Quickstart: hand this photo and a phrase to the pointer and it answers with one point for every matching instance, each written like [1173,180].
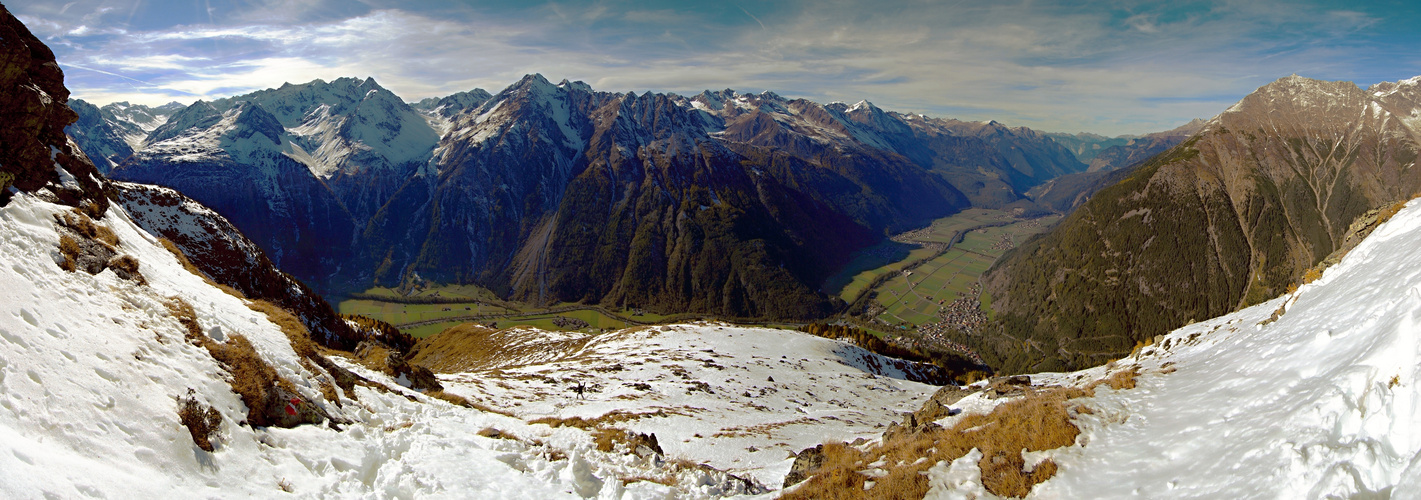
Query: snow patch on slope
[740,399]
[1321,402]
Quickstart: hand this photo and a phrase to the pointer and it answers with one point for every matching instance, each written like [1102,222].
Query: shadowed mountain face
[1069,191]
[1086,145]
[1227,219]
[631,200]
[234,162]
[726,203]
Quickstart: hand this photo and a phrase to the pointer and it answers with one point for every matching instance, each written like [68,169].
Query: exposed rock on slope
[1224,220]
[36,153]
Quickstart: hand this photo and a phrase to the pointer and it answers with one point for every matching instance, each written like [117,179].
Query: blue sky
[1110,67]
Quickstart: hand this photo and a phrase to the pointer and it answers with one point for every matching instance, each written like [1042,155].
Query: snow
[960,480]
[1322,402]
[739,399]
[91,369]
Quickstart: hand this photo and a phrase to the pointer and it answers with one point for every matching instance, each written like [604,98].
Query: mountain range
[127,368]
[721,202]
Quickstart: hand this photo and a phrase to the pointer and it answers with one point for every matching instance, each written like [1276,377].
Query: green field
[892,256]
[914,297]
[544,321]
[397,313]
[481,302]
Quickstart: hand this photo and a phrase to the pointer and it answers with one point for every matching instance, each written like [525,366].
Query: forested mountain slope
[1227,219]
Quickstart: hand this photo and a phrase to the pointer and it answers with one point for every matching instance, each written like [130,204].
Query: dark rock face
[1224,220]
[33,108]
[418,376]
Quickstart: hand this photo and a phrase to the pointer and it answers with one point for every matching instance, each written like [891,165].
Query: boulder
[806,463]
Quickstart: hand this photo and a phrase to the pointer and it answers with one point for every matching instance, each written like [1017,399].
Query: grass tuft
[1037,421]
[69,249]
[202,421]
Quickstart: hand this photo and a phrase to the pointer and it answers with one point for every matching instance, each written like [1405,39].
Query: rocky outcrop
[36,154]
[806,463]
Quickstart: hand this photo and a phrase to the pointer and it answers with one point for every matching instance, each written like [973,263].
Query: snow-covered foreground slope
[1321,402]
[92,368]
[740,399]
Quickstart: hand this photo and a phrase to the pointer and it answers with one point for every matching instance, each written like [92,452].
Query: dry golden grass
[126,266]
[91,209]
[290,325]
[1123,379]
[125,263]
[202,421]
[1388,211]
[229,290]
[252,378]
[182,311]
[1041,420]
[472,347]
[328,391]
[971,377]
[69,249]
[453,399]
[80,223]
[766,429]
[664,480]
[592,423]
[607,439]
[182,258]
[490,432]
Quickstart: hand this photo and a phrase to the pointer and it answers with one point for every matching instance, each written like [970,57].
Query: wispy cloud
[1126,67]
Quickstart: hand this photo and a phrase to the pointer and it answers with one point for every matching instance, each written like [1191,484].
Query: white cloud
[1126,68]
